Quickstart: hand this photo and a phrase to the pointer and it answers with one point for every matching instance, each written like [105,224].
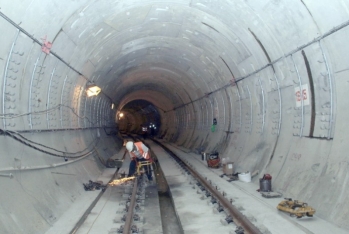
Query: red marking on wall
[46,46]
[298,95]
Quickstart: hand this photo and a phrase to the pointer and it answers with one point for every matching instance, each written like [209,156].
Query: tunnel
[263,83]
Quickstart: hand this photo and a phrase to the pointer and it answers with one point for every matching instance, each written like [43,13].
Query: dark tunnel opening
[140,117]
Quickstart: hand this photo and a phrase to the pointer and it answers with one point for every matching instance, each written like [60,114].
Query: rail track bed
[188,197]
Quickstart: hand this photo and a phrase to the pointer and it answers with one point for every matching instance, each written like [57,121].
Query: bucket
[264,185]
[245,177]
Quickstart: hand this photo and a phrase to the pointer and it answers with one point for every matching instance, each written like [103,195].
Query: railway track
[218,200]
[183,200]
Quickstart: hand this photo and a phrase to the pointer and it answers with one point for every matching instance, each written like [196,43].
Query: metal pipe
[31,168]
[7,175]
[5,79]
[48,97]
[331,93]
[61,112]
[299,48]
[280,103]
[301,95]
[30,92]
[54,130]
[251,108]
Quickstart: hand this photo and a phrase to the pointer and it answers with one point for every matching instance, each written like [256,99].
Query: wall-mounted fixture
[92,90]
[112,106]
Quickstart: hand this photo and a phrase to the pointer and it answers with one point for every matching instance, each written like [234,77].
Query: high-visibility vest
[145,155]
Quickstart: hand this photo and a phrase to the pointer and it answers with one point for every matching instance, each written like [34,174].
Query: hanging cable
[12,115]
[7,133]
[26,139]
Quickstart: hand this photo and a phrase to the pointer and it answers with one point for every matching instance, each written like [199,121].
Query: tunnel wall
[271,129]
[43,100]
[42,187]
[269,52]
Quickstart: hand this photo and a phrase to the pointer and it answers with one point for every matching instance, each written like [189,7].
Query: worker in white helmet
[138,152]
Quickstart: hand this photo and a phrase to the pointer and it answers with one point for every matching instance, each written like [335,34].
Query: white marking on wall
[98,32]
[82,33]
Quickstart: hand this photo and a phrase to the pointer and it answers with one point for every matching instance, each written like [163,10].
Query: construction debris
[271,194]
[91,186]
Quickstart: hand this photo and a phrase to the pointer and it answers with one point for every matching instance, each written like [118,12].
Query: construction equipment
[296,208]
[140,164]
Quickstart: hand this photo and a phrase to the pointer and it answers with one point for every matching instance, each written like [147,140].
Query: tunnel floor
[245,197]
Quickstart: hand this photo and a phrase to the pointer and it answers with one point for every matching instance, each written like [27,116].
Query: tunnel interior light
[92,90]
[112,106]
[121,115]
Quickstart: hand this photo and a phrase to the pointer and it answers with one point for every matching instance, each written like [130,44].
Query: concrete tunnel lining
[240,62]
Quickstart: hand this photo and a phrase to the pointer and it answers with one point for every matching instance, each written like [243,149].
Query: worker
[138,152]
[144,131]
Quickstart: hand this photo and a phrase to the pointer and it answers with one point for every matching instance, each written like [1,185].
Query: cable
[12,115]
[13,132]
[2,132]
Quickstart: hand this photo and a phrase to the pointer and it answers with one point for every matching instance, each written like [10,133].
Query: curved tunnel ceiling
[174,48]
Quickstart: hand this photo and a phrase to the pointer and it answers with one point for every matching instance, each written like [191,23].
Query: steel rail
[129,217]
[89,209]
[239,218]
